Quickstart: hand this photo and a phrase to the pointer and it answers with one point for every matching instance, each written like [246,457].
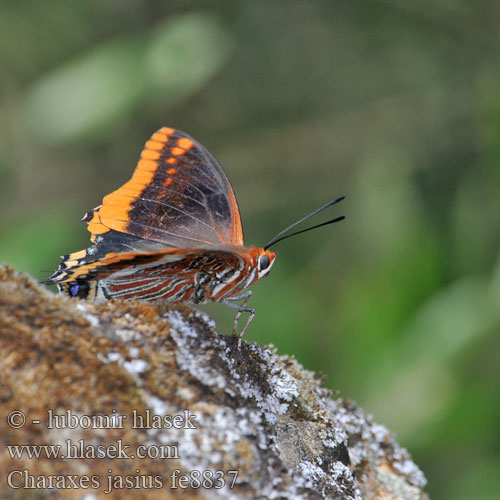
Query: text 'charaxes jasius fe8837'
[172,232]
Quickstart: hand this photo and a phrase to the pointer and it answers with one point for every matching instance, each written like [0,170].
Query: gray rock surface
[247,410]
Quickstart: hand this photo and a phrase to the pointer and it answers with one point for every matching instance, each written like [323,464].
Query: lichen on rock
[246,410]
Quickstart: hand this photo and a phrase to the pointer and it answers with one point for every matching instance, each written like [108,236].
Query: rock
[141,398]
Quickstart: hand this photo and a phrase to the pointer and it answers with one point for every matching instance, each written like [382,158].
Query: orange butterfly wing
[178,196]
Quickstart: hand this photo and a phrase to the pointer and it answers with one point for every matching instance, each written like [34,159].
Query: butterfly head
[264,260]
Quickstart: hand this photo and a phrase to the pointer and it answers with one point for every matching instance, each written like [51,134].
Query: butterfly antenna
[280,237]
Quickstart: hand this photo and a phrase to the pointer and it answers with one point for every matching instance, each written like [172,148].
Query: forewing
[178,195]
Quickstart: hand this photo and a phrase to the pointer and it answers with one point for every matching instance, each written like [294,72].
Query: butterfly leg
[241,308]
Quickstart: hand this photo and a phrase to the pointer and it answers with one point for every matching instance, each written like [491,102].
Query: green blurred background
[394,103]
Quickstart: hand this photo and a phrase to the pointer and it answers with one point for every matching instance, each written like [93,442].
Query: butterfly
[172,232]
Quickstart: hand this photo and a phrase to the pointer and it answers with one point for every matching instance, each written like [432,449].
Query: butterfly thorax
[218,278]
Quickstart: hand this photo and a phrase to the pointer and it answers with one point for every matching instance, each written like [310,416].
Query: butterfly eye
[264,262]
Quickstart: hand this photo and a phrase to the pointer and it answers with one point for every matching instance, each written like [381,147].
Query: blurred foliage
[395,103]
